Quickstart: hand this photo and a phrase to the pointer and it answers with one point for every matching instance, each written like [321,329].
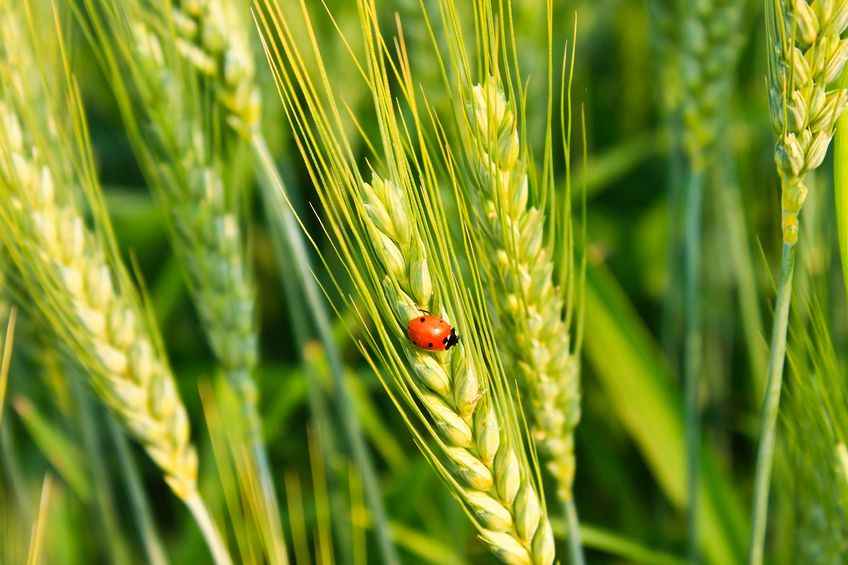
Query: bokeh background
[630,485]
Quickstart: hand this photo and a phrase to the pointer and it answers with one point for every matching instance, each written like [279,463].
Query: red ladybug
[431,333]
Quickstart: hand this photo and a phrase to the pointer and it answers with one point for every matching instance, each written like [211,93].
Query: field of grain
[423,281]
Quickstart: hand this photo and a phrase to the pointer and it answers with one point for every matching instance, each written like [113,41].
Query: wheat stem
[204,521]
[768,423]
[154,551]
[575,537]
[692,368]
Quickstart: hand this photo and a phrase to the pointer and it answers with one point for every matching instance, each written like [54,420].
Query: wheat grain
[808,56]
[528,303]
[496,488]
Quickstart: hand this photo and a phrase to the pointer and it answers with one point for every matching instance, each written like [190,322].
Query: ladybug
[431,333]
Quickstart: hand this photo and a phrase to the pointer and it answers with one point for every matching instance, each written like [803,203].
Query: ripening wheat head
[529,304]
[163,60]
[391,231]
[807,56]
[72,272]
[711,38]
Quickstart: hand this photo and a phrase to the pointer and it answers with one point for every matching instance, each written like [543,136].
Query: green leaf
[640,386]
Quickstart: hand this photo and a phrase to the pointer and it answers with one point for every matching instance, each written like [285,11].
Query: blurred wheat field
[423,281]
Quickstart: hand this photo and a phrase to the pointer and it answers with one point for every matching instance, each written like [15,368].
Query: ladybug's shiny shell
[431,333]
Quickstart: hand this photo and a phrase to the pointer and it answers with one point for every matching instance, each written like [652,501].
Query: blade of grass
[629,365]
[36,544]
[6,361]
[14,475]
[154,551]
[297,523]
[740,255]
[604,169]
[57,447]
[103,493]
[614,544]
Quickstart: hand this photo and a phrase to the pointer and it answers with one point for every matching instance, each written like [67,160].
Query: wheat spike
[101,321]
[186,169]
[528,303]
[711,38]
[493,483]
[210,38]
[808,56]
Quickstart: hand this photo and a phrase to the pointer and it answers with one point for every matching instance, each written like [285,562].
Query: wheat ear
[93,311]
[809,54]
[711,40]
[206,233]
[210,36]
[78,283]
[528,303]
[99,319]
[490,478]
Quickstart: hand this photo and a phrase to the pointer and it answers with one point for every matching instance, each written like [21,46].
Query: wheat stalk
[807,56]
[710,40]
[73,272]
[486,465]
[529,304]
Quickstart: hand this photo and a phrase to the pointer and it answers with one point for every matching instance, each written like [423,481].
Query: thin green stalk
[840,186]
[270,177]
[9,462]
[217,548]
[275,212]
[765,454]
[575,538]
[692,362]
[154,551]
[103,494]
[730,201]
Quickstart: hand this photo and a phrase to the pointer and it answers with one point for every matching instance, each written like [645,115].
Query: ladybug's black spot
[430,345]
[422,320]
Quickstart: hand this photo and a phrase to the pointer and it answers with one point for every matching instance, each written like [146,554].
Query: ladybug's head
[451,340]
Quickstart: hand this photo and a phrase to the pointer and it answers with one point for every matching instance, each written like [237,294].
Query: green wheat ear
[808,54]
[394,240]
[529,305]
[451,391]
[73,272]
